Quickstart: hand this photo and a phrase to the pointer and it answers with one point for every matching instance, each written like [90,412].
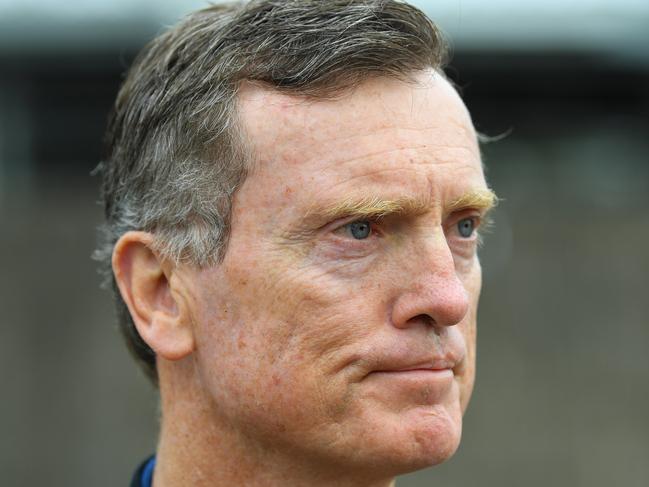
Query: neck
[198,449]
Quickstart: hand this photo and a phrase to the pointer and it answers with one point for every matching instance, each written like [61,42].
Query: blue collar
[146,472]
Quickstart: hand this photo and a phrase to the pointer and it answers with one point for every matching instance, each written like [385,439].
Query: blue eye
[466,227]
[360,230]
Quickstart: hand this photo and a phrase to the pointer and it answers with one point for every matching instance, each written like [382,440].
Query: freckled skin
[289,331]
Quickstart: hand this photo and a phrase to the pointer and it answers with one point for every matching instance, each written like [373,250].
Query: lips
[436,366]
[405,381]
[436,363]
[450,358]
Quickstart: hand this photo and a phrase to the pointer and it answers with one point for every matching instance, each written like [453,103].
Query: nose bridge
[431,286]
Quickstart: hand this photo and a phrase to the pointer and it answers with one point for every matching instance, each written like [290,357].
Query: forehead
[386,135]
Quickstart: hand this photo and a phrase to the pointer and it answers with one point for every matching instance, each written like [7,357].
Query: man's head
[176,154]
[293,193]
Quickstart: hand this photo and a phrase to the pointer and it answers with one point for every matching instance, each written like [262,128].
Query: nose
[433,294]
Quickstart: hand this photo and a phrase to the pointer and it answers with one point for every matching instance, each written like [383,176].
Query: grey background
[562,394]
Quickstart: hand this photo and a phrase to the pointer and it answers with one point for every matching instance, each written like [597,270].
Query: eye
[466,227]
[360,229]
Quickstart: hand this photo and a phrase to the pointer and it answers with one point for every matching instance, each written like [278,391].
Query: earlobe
[158,311]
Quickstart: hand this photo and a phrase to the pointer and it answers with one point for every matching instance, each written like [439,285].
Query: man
[293,192]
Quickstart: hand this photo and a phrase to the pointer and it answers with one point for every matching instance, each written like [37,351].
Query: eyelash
[478,224]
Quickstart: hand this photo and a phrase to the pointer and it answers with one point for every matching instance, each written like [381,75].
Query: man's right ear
[158,311]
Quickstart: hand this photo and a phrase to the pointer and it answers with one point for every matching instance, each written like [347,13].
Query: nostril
[423,319]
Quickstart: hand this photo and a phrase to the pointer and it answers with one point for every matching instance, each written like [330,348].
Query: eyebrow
[376,207]
[373,207]
[480,199]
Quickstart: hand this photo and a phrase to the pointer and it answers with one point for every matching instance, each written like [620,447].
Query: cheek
[299,305]
[468,327]
[468,369]
[275,336]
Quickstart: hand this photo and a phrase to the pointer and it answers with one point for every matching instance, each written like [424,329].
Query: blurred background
[562,395]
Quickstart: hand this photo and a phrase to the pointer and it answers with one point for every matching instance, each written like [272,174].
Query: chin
[420,438]
[435,436]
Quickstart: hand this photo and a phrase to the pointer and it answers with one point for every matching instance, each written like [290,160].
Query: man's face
[340,326]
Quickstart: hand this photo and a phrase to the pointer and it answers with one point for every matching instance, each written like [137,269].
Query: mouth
[446,363]
[433,375]
[435,365]
[409,359]
[422,373]
[415,385]
[415,373]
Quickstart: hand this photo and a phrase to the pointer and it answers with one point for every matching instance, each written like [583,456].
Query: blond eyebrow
[480,199]
[373,207]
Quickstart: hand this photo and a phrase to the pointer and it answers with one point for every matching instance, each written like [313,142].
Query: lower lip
[434,384]
[427,374]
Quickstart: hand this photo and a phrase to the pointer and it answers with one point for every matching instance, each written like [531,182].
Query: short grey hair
[176,153]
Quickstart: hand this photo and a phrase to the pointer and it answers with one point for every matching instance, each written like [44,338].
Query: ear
[158,311]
